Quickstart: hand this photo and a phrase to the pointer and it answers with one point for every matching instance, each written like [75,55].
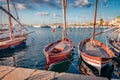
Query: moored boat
[93,51]
[59,49]
[98,55]
[12,41]
[17,31]
[114,41]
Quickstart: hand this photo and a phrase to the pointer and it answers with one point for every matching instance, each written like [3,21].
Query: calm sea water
[31,55]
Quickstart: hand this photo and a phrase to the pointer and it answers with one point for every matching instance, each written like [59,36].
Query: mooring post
[14,62]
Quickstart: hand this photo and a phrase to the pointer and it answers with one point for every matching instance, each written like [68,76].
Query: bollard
[14,62]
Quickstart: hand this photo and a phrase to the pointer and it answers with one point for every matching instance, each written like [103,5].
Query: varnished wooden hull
[53,57]
[7,38]
[14,42]
[95,60]
[60,66]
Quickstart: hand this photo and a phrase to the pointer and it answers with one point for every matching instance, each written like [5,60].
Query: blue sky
[49,11]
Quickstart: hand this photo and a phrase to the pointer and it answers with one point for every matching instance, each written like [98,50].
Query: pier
[15,73]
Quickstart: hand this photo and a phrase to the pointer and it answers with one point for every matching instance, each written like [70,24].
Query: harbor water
[30,55]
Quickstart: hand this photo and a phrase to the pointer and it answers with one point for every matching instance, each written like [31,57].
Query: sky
[49,11]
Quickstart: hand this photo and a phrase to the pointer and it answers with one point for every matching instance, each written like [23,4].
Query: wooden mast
[12,17]
[64,19]
[9,21]
[95,11]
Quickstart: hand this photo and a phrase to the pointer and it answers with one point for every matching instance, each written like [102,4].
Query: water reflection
[10,51]
[61,66]
[87,69]
[116,62]
[32,55]
[7,56]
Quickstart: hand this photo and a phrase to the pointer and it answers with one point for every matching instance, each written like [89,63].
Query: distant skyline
[49,11]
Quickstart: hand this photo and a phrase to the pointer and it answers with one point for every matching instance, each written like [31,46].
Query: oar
[12,17]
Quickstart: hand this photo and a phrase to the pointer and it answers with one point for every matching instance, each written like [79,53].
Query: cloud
[58,2]
[11,6]
[1,0]
[35,4]
[32,4]
[42,14]
[21,6]
[104,2]
[18,6]
[46,14]
[47,0]
[80,3]
[55,15]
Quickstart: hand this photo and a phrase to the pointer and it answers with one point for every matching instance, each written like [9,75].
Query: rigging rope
[1,16]
[12,17]
[15,10]
[2,19]
[101,10]
[58,35]
[73,65]
[106,39]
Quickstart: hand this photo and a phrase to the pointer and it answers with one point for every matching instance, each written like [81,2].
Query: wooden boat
[4,33]
[60,49]
[98,55]
[114,41]
[93,51]
[11,41]
[16,36]
[57,51]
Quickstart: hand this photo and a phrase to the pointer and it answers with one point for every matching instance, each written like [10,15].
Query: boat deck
[95,50]
[6,34]
[61,46]
[14,40]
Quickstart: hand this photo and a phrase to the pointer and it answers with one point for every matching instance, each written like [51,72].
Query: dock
[15,73]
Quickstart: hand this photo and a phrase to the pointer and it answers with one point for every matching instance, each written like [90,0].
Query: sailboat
[17,32]
[114,41]
[59,49]
[94,52]
[12,41]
